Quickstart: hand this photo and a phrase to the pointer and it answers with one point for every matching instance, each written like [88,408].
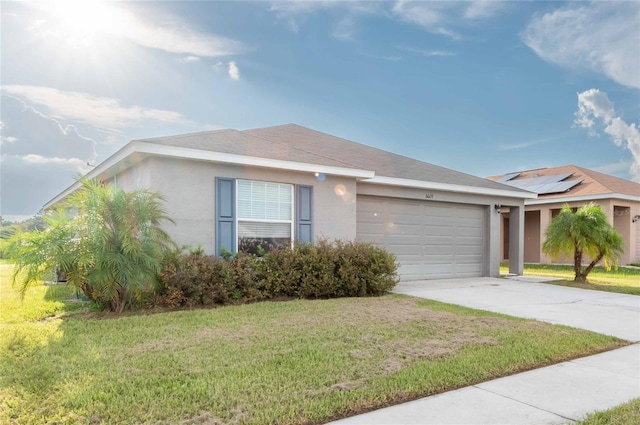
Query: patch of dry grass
[295,362]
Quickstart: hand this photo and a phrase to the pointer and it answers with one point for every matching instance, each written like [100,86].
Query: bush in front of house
[322,270]
[194,279]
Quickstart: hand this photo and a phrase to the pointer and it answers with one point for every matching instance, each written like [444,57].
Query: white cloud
[345,29]
[27,185]
[27,131]
[436,17]
[188,59]
[163,32]
[601,36]
[234,72]
[442,17]
[39,158]
[294,13]
[429,15]
[94,110]
[427,52]
[74,162]
[594,107]
[482,9]
[614,167]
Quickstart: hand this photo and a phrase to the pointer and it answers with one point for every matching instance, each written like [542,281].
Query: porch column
[491,265]
[516,240]
[545,219]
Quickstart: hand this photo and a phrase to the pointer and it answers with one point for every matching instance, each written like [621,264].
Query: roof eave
[213,156]
[564,199]
[419,184]
[104,168]
[107,168]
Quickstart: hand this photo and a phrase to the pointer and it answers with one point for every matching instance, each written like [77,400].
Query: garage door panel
[403,229]
[438,241]
[472,242]
[430,240]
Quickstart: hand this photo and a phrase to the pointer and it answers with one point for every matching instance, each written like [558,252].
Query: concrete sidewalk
[557,394]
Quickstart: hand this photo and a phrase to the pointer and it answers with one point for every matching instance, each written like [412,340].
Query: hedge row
[322,270]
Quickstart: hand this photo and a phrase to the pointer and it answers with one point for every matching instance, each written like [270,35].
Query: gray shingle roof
[242,143]
[356,155]
[291,142]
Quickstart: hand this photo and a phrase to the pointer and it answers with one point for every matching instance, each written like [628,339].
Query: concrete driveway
[557,394]
[603,312]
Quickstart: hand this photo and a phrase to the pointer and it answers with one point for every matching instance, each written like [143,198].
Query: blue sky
[481,87]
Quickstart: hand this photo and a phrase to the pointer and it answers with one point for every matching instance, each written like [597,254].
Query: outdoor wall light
[497,207]
[635,218]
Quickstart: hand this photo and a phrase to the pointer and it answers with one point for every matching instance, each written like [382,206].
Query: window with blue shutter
[264,215]
[254,216]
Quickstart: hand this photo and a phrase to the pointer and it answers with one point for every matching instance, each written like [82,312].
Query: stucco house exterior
[575,186]
[225,189]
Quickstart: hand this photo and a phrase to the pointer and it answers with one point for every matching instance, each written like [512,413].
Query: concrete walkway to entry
[557,394]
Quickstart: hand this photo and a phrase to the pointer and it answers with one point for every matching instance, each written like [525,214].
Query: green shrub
[317,265]
[321,270]
[195,279]
[278,273]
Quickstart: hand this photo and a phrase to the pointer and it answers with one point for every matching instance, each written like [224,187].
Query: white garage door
[430,239]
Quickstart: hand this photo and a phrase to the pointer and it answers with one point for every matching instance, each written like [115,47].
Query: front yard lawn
[625,280]
[625,414]
[294,362]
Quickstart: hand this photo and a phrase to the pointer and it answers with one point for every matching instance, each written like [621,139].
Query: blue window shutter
[304,213]
[225,214]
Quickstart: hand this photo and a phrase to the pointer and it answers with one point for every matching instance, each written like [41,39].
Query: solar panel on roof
[508,177]
[559,187]
[542,185]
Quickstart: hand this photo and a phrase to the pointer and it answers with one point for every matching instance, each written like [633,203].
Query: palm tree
[108,242]
[583,232]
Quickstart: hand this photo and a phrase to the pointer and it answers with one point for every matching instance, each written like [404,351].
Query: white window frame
[257,220]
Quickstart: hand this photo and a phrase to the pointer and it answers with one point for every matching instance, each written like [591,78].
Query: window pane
[264,201]
[262,229]
[252,235]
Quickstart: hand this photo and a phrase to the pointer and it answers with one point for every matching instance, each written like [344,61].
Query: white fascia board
[204,155]
[227,158]
[540,201]
[98,170]
[393,181]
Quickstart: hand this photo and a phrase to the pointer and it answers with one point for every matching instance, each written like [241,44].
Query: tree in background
[9,228]
[107,242]
[583,232]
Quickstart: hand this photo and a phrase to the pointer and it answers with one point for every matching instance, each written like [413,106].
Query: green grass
[39,302]
[622,279]
[625,414]
[294,362]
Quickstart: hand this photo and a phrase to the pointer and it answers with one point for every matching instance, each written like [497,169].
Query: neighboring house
[575,186]
[233,189]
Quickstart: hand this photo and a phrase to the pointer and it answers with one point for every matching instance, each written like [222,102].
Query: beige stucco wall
[532,236]
[189,189]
